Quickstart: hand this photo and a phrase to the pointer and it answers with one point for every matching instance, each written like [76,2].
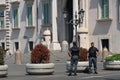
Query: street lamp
[78,20]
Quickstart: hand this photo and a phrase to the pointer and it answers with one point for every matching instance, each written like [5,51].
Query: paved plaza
[18,72]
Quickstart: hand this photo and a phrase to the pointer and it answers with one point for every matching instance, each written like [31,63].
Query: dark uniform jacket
[93,52]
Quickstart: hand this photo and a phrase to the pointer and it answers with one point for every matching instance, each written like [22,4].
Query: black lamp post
[78,20]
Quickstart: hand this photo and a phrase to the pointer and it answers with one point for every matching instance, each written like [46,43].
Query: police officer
[74,55]
[93,52]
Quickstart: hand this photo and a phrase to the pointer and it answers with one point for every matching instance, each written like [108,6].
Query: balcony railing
[2,3]
[15,1]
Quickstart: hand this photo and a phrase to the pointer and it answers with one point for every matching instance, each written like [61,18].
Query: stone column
[55,45]
[105,53]
[18,58]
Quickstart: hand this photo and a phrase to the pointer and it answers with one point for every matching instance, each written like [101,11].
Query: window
[29,15]
[1,13]
[46,13]
[104,9]
[15,17]
[119,10]
[16,45]
[3,45]
[1,24]
[1,19]
[30,45]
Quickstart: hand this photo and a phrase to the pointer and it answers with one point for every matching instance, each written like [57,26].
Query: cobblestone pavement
[18,72]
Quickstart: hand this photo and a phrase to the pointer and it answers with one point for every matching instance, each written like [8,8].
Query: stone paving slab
[17,72]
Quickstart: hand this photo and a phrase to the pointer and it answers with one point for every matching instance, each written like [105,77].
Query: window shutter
[46,13]
[15,18]
[107,9]
[1,13]
[1,24]
[104,9]
[29,14]
[2,19]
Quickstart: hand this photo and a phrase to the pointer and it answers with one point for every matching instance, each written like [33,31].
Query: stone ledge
[104,20]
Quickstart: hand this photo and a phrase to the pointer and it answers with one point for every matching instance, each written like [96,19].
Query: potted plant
[112,62]
[83,60]
[40,61]
[3,66]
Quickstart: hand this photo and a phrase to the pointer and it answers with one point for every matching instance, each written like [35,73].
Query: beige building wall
[101,29]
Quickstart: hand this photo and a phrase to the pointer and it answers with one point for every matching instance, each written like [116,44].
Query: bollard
[64,46]
[47,36]
[105,53]
[18,57]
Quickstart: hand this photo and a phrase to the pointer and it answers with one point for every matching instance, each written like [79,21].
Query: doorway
[16,46]
[69,27]
[105,43]
[3,45]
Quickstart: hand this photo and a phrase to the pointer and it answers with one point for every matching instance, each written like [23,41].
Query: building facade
[104,24]
[23,23]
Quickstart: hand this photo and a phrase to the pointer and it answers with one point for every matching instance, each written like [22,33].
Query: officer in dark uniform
[74,55]
[93,53]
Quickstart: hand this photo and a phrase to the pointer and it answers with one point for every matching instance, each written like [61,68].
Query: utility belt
[75,57]
[92,57]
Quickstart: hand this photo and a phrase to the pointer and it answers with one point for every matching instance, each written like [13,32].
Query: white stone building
[104,24]
[23,22]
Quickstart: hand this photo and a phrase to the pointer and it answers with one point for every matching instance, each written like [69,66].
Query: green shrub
[113,57]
